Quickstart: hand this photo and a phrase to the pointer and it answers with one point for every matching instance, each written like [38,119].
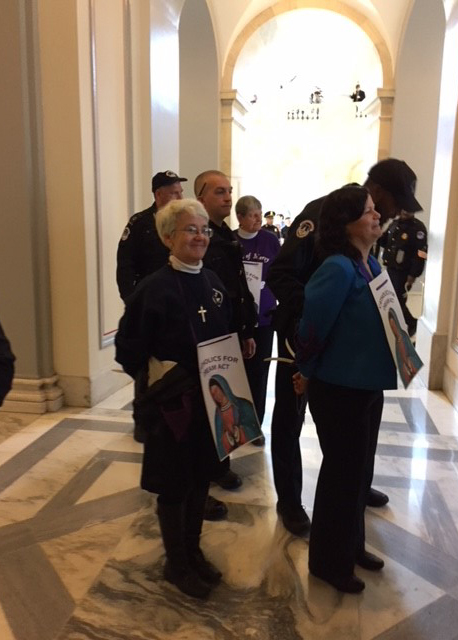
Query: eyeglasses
[195,231]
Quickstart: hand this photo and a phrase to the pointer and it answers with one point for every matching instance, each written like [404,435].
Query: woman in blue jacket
[345,363]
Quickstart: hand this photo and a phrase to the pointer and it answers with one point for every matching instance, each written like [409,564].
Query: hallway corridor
[81,556]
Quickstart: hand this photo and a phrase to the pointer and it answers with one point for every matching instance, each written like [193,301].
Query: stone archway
[233,107]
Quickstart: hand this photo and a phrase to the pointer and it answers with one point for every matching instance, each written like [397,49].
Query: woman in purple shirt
[259,246]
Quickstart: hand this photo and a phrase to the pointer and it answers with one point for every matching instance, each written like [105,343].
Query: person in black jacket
[157,344]
[141,253]
[140,250]
[405,249]
[224,256]
[391,184]
[6,366]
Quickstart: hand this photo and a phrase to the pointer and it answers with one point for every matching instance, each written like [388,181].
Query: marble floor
[81,556]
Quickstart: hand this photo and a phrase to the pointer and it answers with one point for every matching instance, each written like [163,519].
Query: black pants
[257,369]
[399,279]
[347,423]
[287,420]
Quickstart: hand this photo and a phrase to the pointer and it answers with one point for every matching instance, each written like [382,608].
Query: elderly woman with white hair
[169,313]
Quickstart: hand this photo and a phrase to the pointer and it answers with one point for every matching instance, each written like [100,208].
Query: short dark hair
[339,208]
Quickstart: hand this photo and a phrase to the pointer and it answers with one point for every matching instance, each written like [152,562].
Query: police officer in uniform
[140,250]
[269,217]
[405,249]
[391,184]
[224,256]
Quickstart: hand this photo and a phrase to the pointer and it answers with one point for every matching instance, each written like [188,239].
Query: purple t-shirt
[263,248]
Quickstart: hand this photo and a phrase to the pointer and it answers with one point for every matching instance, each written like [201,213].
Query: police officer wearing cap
[391,183]
[140,250]
[269,217]
[405,249]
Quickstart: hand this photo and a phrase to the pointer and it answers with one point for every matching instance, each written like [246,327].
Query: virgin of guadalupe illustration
[407,359]
[235,418]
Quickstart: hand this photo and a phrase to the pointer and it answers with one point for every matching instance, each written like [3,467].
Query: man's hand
[409,282]
[300,383]
[248,348]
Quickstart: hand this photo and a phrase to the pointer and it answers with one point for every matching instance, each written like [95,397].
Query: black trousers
[287,420]
[399,279]
[257,369]
[347,423]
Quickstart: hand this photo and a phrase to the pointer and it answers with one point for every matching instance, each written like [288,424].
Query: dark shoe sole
[376,498]
[370,562]
[298,526]
[187,582]
[230,481]
[352,584]
[214,509]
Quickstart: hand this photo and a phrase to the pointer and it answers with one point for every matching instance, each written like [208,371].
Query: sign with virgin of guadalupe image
[407,360]
[227,394]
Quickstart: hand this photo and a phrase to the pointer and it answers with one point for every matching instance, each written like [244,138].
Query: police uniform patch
[217,297]
[305,227]
[420,235]
[125,233]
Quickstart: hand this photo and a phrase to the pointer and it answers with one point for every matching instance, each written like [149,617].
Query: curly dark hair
[339,208]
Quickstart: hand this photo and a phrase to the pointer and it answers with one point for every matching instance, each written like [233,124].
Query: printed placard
[407,360]
[253,273]
[227,394]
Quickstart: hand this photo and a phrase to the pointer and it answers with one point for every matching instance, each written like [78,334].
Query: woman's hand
[300,383]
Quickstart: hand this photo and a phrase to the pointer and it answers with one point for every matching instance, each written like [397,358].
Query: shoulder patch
[305,227]
[125,233]
[420,235]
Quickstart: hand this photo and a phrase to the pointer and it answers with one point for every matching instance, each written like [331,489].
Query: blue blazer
[341,339]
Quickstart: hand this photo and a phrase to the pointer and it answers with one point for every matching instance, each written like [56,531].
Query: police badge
[305,227]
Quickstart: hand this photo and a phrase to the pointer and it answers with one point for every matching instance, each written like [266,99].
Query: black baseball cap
[164,178]
[398,178]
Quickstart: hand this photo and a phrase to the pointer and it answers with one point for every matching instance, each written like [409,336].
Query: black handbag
[170,400]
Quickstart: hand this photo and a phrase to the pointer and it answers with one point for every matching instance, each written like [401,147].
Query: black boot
[177,569]
[195,507]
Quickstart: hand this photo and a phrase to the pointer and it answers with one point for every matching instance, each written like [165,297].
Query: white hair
[167,217]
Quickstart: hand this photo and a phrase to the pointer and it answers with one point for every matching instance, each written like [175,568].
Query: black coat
[162,319]
[6,366]
[292,268]
[140,251]
[224,257]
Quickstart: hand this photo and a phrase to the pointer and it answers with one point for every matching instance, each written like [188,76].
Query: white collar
[178,265]
[246,234]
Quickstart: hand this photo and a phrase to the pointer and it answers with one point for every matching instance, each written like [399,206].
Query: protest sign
[227,395]
[253,273]
[407,360]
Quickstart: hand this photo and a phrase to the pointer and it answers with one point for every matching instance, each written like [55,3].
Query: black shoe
[203,567]
[376,498]
[351,584]
[187,580]
[214,509]
[139,433]
[229,481]
[294,519]
[259,442]
[370,562]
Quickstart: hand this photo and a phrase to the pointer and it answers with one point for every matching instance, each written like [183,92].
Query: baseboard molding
[34,395]
[86,392]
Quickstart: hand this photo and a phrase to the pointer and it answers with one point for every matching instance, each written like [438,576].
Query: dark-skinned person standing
[391,183]
[344,363]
